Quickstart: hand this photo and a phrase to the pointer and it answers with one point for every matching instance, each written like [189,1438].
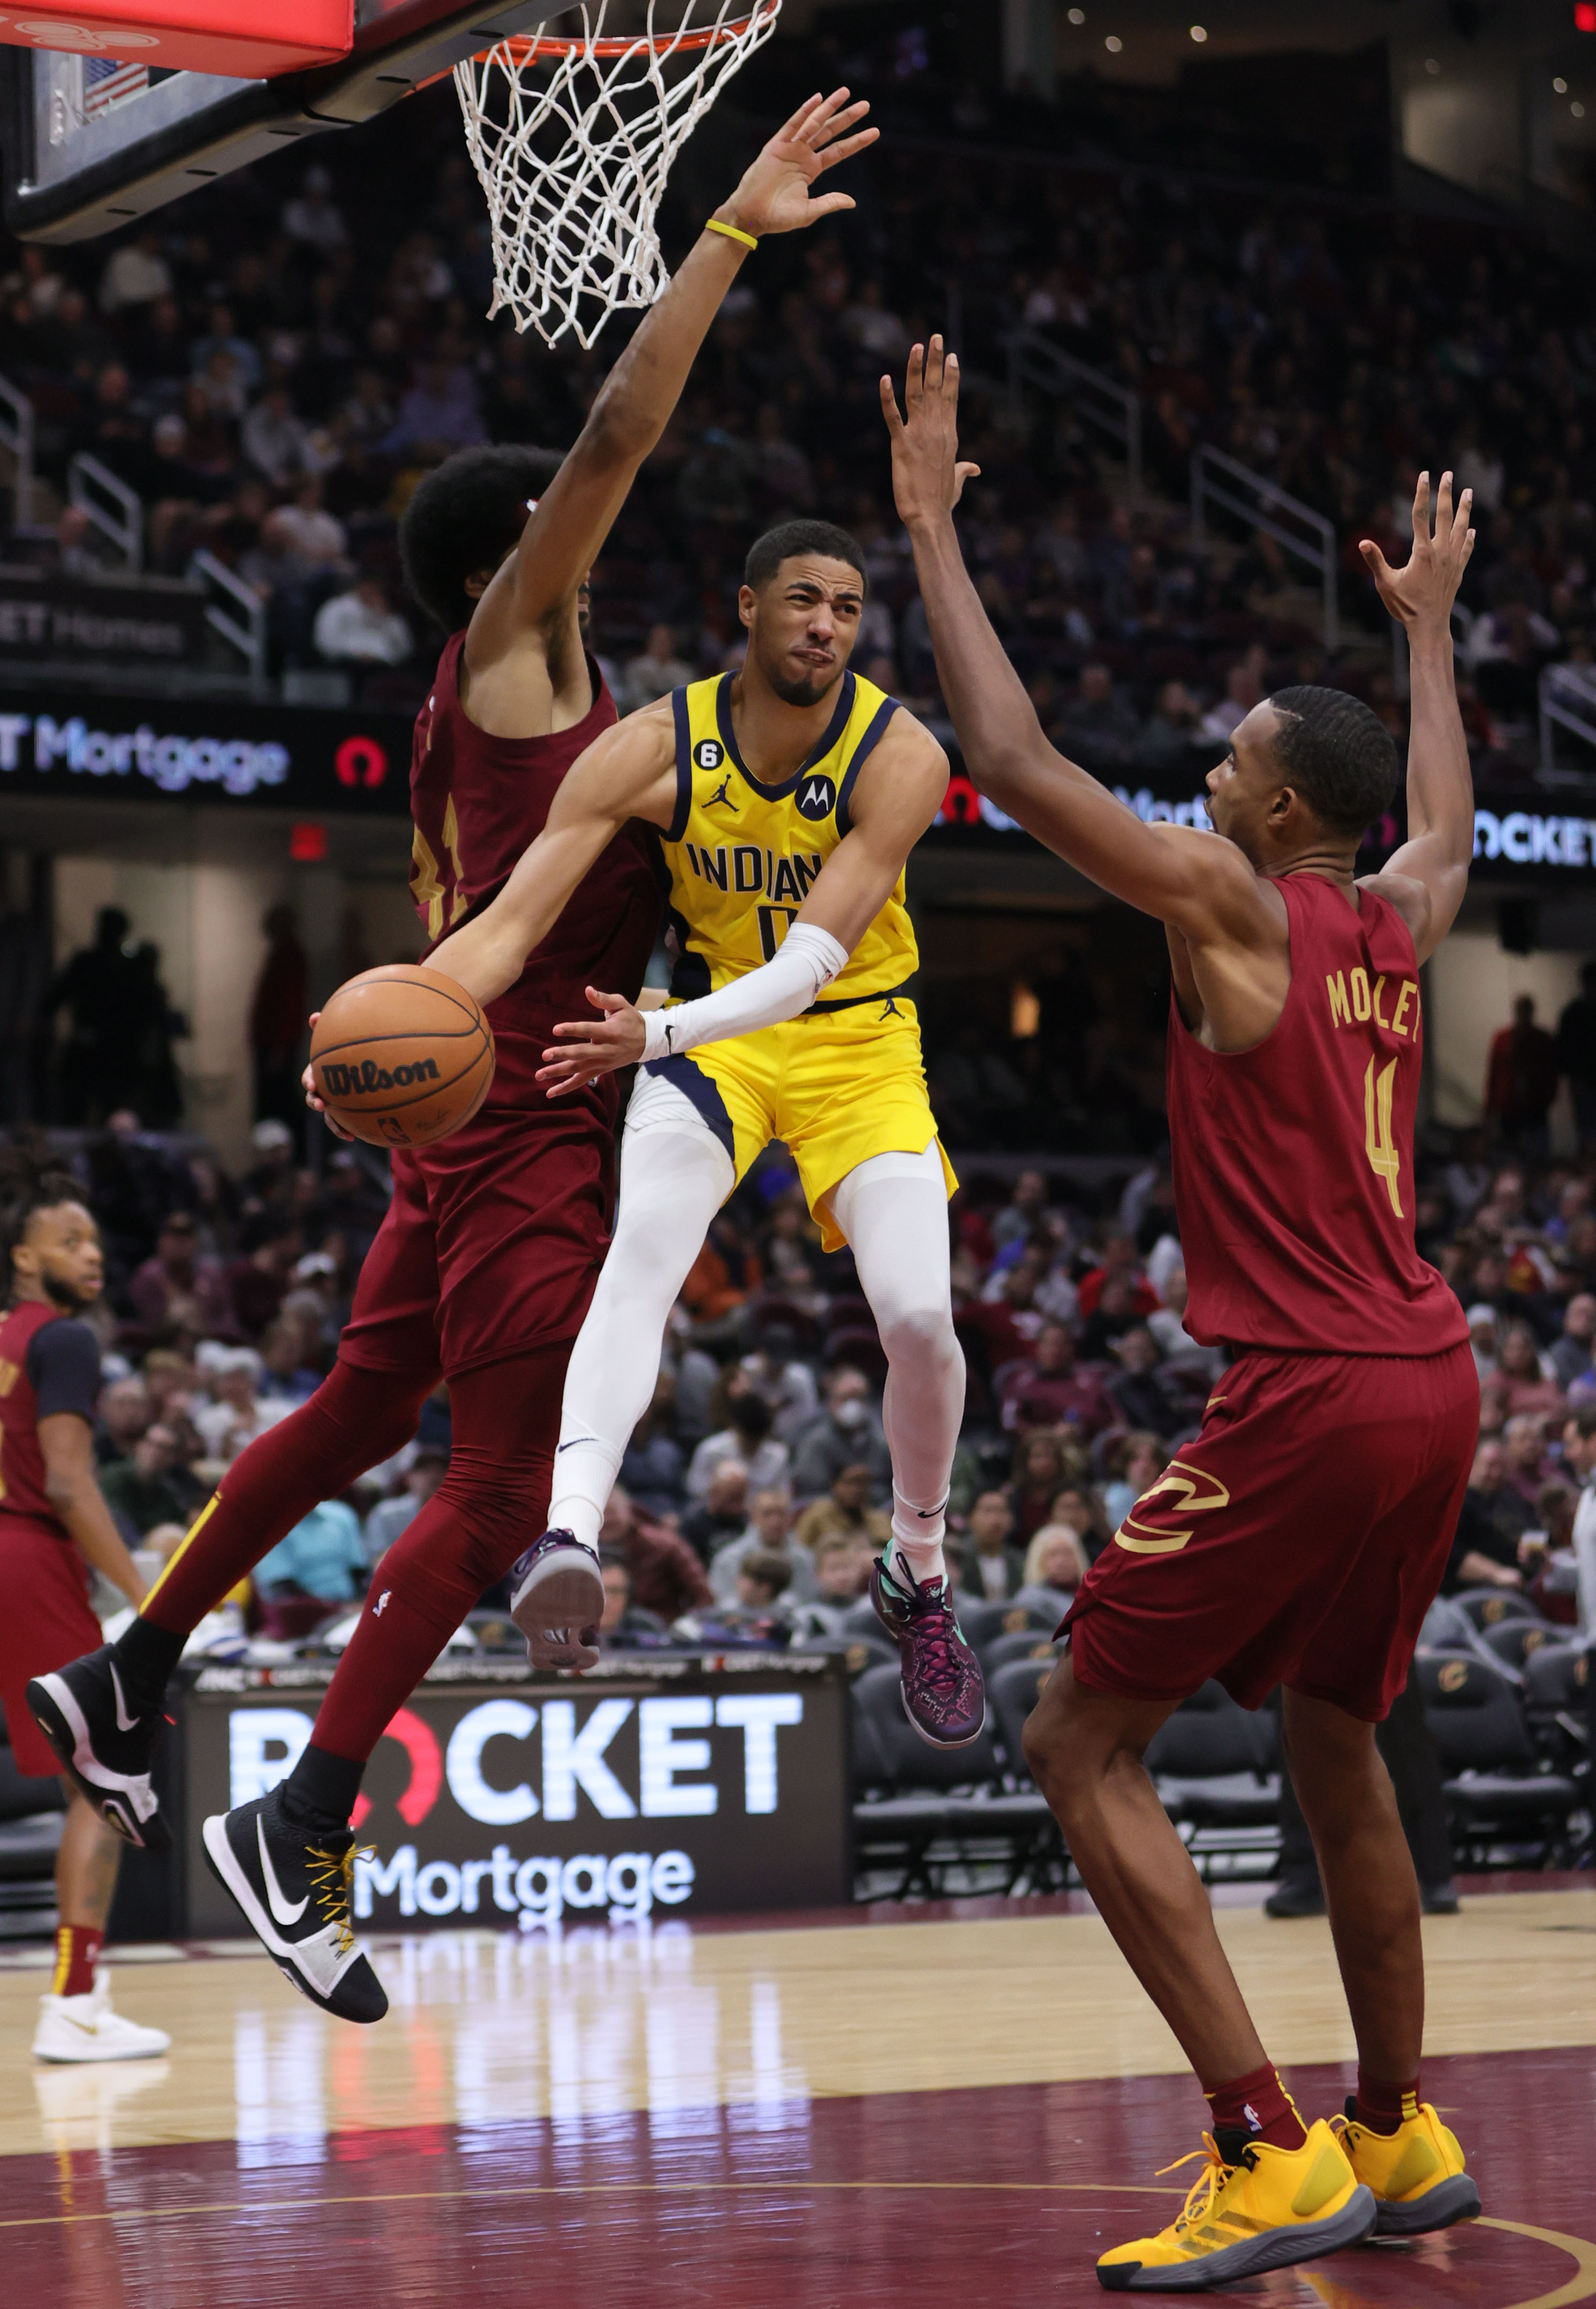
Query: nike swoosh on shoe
[124,1722]
[284,1911]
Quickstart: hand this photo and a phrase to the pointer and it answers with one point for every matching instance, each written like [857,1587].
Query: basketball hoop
[573,137]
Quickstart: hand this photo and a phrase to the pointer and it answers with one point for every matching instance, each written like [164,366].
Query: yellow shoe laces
[1205,2188]
[332,1878]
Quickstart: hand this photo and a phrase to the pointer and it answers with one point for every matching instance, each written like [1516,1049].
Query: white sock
[917,1536]
[673,1182]
[894,1212]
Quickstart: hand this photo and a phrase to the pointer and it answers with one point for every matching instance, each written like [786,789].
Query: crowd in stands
[274,365]
[755,1490]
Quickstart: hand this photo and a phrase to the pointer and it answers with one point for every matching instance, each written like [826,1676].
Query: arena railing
[246,633]
[16,435]
[1261,503]
[1567,701]
[121,521]
[1098,400]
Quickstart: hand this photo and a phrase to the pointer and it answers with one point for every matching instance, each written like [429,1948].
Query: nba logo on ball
[708,754]
[815,797]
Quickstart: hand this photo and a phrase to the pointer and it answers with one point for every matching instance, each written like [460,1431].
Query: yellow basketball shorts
[834,1086]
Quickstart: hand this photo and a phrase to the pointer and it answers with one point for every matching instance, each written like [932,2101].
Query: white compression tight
[892,1209]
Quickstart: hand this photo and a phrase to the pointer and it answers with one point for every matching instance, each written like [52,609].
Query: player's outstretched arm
[629,771]
[1426,879]
[575,512]
[899,793]
[1201,886]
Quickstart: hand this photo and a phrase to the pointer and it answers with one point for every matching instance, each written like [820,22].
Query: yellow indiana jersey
[742,856]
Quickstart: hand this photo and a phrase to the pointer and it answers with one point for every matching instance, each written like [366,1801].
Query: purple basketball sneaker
[557,1600]
[943,1696]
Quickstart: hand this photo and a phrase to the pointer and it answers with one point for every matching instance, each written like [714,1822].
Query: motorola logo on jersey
[708,754]
[815,797]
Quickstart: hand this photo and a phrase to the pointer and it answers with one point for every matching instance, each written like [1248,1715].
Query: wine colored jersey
[1293,1161]
[477,802]
[49,1364]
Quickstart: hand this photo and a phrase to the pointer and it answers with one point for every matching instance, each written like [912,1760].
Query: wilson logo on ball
[346,1081]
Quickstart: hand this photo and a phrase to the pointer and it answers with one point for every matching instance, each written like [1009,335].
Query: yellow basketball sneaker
[1414,2174]
[1253,2207]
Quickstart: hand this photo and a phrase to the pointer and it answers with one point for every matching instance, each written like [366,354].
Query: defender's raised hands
[927,477]
[774,195]
[1422,592]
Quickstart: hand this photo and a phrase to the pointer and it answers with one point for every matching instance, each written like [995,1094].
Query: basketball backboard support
[88,149]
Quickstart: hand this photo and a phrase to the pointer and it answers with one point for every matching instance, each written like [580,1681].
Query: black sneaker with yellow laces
[293,1888]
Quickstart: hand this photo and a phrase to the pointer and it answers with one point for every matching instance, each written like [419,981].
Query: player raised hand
[927,477]
[1423,592]
[594,1047]
[773,195]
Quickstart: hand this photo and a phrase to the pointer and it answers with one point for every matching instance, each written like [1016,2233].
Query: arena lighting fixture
[1113,46]
[1200,33]
[1077,16]
[1432,64]
[1560,86]
[1578,111]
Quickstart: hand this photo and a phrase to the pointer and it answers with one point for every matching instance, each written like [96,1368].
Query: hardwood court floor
[842,2113]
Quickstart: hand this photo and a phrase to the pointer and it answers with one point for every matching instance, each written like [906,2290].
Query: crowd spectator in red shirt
[1117,1257]
[667,1577]
[1052,1390]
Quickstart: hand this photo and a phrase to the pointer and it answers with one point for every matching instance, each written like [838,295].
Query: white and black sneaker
[104,1745]
[293,1888]
[557,1600]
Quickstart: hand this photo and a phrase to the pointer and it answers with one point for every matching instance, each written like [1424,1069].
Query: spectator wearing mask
[389,1517]
[722,1515]
[768,1532]
[125,1411]
[151,1486]
[667,1577]
[1570,1354]
[746,1437]
[1053,1391]
[623,1624]
[846,1434]
[845,1513]
[182,1288]
[323,1556]
[986,1566]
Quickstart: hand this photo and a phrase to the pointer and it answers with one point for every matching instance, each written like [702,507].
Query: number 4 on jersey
[1383,1158]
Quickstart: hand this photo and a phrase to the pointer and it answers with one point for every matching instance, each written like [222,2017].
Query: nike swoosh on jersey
[124,1722]
[285,1911]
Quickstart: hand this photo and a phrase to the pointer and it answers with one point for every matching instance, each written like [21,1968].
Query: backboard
[91,140]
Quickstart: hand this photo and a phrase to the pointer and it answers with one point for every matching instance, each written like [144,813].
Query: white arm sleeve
[806,960]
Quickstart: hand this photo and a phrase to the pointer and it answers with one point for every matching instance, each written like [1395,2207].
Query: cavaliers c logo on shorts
[1192,1492]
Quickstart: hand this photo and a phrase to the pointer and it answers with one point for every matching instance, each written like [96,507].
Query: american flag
[106,83]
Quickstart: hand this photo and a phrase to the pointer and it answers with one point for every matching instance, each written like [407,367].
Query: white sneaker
[85,2028]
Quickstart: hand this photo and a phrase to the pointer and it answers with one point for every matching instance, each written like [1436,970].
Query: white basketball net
[573,138]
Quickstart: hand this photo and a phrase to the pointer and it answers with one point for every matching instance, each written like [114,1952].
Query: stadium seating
[30,1813]
[1016,1644]
[921,1809]
[1487,1607]
[1498,1791]
[1512,1643]
[1556,1702]
[1215,1765]
[982,1624]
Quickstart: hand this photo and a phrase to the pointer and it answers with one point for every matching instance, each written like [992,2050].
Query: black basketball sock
[145,1657]
[320,1793]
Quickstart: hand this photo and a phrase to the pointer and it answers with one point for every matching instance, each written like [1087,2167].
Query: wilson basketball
[401,1056]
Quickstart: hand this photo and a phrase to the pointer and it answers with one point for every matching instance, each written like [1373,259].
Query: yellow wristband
[733,232]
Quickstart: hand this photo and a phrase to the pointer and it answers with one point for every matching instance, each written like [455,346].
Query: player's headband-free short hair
[1338,755]
[464,518]
[789,538]
[28,1186]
